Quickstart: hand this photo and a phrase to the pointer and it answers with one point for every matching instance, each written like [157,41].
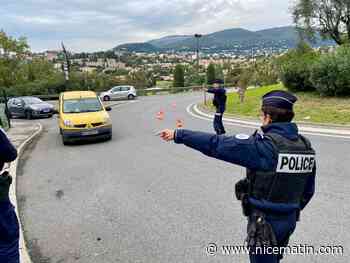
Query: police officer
[281,172]
[9,227]
[219,102]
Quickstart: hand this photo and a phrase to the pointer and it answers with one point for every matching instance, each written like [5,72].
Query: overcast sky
[91,25]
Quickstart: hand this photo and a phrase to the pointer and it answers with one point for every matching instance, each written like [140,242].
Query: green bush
[295,68]
[331,74]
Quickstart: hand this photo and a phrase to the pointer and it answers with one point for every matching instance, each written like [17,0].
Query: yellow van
[83,116]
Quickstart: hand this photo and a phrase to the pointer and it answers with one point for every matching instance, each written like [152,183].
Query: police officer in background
[219,102]
[280,178]
[9,227]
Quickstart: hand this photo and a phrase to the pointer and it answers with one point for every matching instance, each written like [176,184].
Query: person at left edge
[219,102]
[9,227]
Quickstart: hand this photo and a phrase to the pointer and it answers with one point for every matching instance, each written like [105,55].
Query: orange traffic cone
[179,123]
[160,115]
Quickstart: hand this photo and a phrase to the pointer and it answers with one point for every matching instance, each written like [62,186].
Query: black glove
[260,232]
[5,182]
[241,189]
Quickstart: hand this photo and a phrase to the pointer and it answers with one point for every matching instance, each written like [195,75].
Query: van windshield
[82,105]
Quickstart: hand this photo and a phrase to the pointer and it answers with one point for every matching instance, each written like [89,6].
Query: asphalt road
[139,199]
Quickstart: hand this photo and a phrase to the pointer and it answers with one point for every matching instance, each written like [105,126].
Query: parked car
[119,92]
[82,115]
[29,107]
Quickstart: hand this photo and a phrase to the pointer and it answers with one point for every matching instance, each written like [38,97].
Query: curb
[24,255]
[335,133]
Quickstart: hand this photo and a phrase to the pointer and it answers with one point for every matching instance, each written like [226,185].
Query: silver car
[119,92]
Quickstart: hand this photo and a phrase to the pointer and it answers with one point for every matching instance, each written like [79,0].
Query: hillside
[230,39]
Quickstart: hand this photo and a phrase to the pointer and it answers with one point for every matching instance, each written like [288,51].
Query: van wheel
[64,141]
[131,97]
[106,98]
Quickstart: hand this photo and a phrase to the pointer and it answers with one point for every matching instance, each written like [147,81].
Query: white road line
[254,125]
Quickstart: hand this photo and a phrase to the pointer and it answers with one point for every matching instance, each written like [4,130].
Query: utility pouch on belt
[260,232]
[241,192]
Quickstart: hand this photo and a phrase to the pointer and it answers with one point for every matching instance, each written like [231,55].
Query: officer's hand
[167,135]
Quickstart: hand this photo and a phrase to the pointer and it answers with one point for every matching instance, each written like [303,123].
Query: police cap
[218,81]
[279,99]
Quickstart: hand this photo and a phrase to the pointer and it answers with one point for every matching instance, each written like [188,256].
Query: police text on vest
[295,163]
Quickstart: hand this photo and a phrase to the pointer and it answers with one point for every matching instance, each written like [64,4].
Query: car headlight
[68,123]
[107,121]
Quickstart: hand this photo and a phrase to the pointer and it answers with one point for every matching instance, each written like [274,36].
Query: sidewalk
[21,134]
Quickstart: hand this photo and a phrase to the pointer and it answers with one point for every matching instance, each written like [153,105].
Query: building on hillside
[88,69]
[166,78]
[51,55]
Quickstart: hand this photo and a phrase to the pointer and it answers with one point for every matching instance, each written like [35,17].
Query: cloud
[89,25]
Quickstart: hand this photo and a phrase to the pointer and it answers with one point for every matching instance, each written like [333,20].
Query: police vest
[286,183]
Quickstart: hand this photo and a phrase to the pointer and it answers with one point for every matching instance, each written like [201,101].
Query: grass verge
[310,108]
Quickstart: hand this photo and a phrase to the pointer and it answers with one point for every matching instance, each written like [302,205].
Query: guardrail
[143,92]
[140,92]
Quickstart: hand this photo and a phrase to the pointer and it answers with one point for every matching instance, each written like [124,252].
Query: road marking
[254,125]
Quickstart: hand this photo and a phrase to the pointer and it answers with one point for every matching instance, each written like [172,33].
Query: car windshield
[82,105]
[32,100]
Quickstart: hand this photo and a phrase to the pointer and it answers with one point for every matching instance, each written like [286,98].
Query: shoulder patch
[242,136]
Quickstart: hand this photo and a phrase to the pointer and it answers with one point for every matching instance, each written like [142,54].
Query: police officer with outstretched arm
[219,102]
[281,170]
[9,227]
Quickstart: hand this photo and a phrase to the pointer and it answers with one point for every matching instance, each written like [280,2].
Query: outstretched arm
[216,91]
[245,151]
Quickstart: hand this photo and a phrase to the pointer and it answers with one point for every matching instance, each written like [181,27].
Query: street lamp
[198,36]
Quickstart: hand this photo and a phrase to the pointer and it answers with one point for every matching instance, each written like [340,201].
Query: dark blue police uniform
[9,227]
[219,102]
[257,153]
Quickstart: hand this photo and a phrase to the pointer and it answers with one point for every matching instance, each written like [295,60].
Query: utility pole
[65,66]
[197,36]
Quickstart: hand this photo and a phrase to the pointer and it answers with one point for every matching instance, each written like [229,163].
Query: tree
[243,83]
[179,76]
[331,74]
[211,74]
[295,68]
[233,75]
[14,51]
[329,17]
[138,79]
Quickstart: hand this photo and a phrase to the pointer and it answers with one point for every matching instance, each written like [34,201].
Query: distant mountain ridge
[229,39]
